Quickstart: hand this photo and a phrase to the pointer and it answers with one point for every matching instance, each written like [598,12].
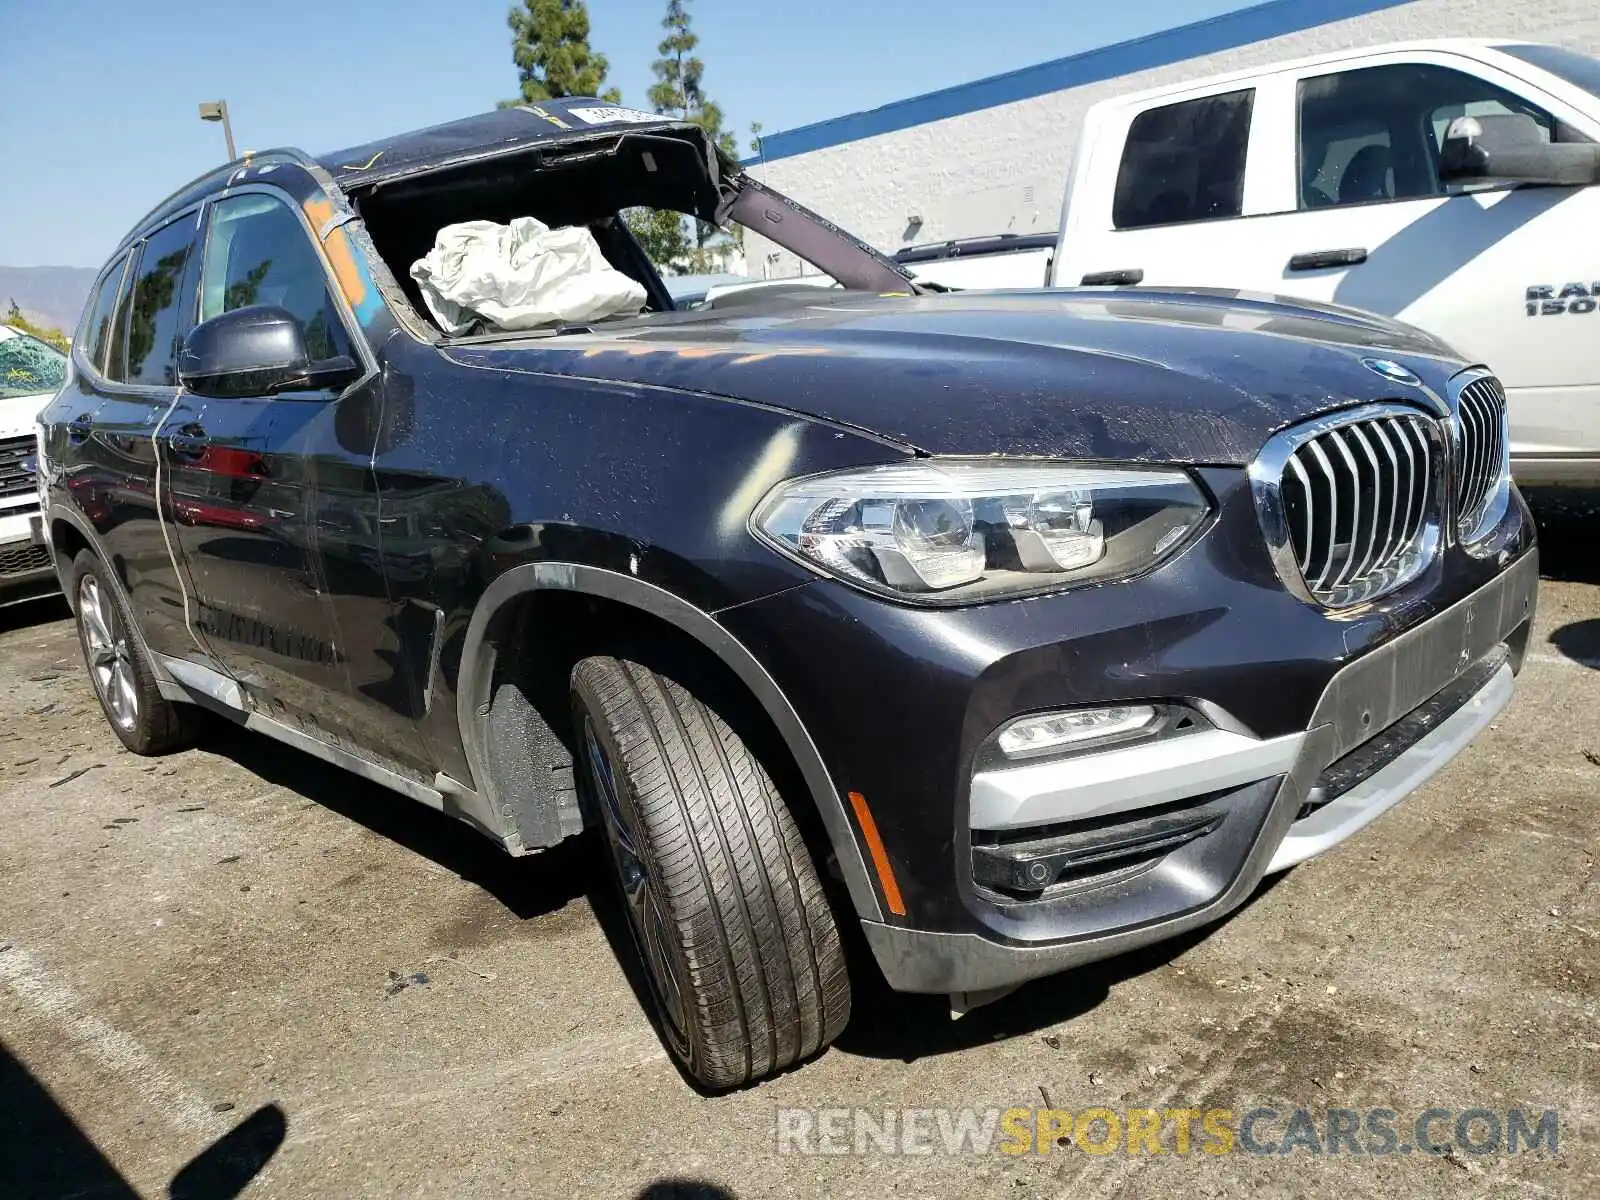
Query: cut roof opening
[578,183]
[590,182]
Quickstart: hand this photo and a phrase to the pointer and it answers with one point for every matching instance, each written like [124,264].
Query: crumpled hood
[1135,375]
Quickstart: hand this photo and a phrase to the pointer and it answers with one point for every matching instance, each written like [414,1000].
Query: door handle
[190,441]
[1126,277]
[79,428]
[1321,260]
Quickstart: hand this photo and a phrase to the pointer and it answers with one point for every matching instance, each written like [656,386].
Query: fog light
[1051,731]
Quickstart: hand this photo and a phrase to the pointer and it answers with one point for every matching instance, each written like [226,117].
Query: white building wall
[1005,168]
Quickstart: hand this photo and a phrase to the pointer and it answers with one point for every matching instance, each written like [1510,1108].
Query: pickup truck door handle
[1321,260]
[1127,276]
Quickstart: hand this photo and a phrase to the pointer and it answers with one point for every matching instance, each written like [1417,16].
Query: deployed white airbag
[520,276]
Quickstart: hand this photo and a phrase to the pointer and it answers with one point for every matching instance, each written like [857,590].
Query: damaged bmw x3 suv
[1018,629]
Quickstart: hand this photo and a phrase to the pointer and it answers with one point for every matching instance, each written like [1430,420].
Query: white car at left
[31,373]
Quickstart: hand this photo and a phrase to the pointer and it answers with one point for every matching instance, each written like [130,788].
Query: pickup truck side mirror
[259,350]
[1513,148]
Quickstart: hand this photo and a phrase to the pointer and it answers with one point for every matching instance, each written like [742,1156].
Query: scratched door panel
[236,497]
[384,650]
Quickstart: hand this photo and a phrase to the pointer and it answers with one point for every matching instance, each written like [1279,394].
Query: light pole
[217,110]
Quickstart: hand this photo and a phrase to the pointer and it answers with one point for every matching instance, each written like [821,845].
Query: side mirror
[255,351]
[1512,148]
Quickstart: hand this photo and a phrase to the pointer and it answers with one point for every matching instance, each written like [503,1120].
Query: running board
[340,757]
[194,683]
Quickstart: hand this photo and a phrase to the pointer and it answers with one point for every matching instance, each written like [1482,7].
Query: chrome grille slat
[1333,508]
[1310,528]
[1483,438]
[1417,496]
[1380,434]
[1355,508]
[1380,485]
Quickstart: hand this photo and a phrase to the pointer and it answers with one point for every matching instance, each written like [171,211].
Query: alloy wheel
[110,661]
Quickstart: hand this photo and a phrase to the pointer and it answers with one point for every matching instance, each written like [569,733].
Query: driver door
[237,496]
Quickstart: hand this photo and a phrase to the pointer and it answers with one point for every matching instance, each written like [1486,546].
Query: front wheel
[124,683]
[724,903]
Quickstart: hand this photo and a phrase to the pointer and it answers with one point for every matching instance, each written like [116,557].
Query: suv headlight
[959,531]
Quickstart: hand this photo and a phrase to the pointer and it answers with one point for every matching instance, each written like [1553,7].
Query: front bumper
[27,568]
[1382,726]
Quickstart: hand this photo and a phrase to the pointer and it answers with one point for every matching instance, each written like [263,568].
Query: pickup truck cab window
[258,252]
[1185,162]
[1374,134]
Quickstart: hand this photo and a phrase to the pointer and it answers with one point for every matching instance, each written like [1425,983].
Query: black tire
[143,720]
[745,935]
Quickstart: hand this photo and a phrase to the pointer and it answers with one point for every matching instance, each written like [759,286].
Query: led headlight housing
[960,531]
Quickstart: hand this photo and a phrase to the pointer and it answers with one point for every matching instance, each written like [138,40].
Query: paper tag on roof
[614,115]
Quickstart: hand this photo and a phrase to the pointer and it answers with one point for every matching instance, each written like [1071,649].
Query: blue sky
[98,97]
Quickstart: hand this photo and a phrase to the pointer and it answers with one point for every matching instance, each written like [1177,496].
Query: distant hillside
[50,295]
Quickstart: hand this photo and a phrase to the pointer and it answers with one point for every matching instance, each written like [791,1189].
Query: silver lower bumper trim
[1131,777]
[1381,791]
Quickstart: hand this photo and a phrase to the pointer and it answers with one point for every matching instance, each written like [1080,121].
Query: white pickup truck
[1454,185]
[31,372]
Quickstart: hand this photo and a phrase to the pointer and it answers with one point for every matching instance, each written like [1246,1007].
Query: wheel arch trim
[479,654]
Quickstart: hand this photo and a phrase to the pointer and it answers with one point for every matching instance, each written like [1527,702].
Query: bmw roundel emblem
[1391,371]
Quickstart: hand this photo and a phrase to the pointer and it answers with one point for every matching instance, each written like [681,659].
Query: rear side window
[156,316]
[95,336]
[1185,162]
[116,366]
[258,252]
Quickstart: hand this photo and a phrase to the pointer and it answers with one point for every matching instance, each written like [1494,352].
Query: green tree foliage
[678,71]
[660,233]
[679,90]
[550,43]
[44,333]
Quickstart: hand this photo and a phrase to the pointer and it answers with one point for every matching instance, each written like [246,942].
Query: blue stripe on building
[1226,32]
